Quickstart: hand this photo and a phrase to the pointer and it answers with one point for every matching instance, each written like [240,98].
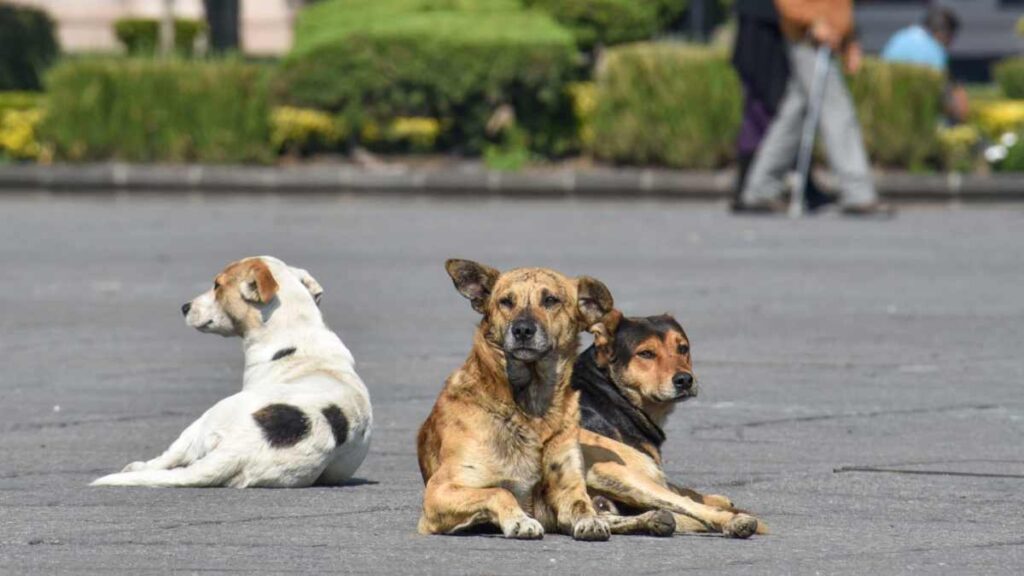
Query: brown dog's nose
[683,381]
[523,330]
[185,308]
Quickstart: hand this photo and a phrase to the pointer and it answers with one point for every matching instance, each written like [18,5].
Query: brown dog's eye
[647,354]
[684,349]
[216,285]
[550,302]
[506,302]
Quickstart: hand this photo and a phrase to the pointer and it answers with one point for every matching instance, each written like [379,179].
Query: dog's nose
[683,381]
[185,308]
[523,330]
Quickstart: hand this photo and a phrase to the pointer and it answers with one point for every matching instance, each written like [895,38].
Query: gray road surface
[819,344]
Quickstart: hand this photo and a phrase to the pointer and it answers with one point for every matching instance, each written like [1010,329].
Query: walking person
[806,25]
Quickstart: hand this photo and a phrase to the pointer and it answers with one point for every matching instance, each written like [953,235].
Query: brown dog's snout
[523,329]
[185,308]
[683,382]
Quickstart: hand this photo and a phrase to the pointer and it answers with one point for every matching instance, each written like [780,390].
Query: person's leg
[756,120]
[766,180]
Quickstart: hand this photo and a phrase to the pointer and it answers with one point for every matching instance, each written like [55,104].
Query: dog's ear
[593,300]
[314,287]
[258,285]
[472,280]
[604,337]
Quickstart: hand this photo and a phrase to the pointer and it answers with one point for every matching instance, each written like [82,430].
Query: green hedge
[154,110]
[608,22]
[27,47]
[668,104]
[141,36]
[898,106]
[1009,74]
[454,60]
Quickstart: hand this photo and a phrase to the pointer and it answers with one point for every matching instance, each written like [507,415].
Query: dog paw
[717,500]
[591,529]
[662,523]
[134,467]
[524,528]
[740,526]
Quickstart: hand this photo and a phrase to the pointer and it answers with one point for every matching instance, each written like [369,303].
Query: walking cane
[822,63]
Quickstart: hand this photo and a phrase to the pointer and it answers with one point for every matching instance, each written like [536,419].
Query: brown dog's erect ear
[604,337]
[259,285]
[314,287]
[593,299]
[472,280]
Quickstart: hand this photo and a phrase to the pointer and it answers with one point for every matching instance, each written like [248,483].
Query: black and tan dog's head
[648,358]
[530,312]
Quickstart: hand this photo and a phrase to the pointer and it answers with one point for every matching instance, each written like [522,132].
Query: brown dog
[630,380]
[500,447]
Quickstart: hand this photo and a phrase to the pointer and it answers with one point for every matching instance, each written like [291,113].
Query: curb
[463,179]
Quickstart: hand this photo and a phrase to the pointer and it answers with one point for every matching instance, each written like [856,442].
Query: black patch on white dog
[283,425]
[338,422]
[283,353]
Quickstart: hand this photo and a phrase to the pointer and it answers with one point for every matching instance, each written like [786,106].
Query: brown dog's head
[530,312]
[248,292]
[648,358]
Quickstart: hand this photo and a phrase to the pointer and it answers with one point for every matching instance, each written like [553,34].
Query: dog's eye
[684,349]
[506,302]
[550,301]
[216,285]
[647,354]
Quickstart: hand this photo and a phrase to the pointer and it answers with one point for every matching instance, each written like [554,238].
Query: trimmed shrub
[27,47]
[141,36]
[155,110]
[301,131]
[456,61]
[1009,74]
[668,104]
[898,106]
[609,22]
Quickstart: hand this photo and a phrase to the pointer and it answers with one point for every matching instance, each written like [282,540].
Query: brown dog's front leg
[449,508]
[567,490]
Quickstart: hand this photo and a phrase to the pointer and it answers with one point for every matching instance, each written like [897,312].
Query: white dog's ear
[258,284]
[314,287]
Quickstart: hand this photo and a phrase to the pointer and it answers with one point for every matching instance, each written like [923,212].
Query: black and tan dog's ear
[258,284]
[472,280]
[604,337]
[314,287]
[593,300]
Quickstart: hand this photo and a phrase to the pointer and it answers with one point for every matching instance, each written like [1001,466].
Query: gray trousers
[838,127]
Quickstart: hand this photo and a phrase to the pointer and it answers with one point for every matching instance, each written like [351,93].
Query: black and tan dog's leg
[716,500]
[566,490]
[449,508]
[634,489]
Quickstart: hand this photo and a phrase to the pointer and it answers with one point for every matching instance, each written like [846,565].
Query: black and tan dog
[501,446]
[630,380]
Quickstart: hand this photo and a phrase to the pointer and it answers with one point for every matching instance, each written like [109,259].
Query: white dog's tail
[209,471]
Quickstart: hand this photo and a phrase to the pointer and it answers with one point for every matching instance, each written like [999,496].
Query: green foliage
[898,106]
[154,110]
[668,104]
[603,22]
[453,60]
[1009,74]
[141,36]
[27,47]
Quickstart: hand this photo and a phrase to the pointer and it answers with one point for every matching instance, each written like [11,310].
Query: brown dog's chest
[516,454]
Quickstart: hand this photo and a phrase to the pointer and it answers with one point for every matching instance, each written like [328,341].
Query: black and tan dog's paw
[740,526]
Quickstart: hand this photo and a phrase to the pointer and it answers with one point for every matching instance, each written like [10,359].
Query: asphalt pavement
[862,383]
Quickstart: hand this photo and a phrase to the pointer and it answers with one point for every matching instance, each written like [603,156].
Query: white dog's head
[247,293]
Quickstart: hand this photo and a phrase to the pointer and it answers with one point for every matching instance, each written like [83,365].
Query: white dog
[303,415]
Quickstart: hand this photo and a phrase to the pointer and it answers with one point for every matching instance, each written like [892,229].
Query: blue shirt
[914,45]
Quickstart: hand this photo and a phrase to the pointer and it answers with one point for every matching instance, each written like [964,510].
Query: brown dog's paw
[740,526]
[524,528]
[591,529]
[662,523]
[717,500]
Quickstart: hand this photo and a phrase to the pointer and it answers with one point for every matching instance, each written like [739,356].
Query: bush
[1009,74]
[157,110]
[27,48]
[141,36]
[898,106]
[455,61]
[668,104]
[301,131]
[608,22]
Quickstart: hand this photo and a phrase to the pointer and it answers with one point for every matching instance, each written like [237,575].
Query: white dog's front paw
[524,528]
[591,528]
[134,467]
